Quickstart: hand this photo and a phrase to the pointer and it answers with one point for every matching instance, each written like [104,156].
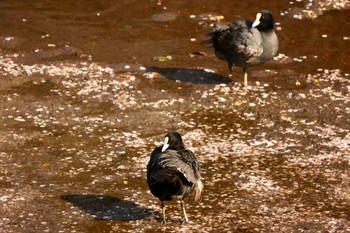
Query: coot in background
[173,173]
[245,43]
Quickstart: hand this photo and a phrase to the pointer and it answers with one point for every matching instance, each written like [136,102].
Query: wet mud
[88,89]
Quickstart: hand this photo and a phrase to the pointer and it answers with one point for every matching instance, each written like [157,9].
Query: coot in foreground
[173,173]
[244,43]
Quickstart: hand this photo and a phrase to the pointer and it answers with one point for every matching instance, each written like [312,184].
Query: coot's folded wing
[238,41]
[183,161]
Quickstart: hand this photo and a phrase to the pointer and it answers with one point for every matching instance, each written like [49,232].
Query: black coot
[245,43]
[173,172]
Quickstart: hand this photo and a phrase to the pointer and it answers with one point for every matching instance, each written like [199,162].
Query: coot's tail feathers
[214,35]
[198,190]
[208,43]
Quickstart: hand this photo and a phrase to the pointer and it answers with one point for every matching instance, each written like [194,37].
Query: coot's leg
[184,211]
[245,77]
[163,212]
[230,66]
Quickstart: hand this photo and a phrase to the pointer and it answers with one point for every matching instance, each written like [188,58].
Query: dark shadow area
[108,208]
[190,75]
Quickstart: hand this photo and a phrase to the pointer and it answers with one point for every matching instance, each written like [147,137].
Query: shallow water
[85,100]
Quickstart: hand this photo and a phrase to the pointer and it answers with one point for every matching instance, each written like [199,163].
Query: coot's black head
[264,21]
[173,140]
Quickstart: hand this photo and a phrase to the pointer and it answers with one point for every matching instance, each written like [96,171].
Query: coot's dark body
[245,43]
[173,172]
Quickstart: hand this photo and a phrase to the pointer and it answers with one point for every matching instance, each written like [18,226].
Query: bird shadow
[197,76]
[103,207]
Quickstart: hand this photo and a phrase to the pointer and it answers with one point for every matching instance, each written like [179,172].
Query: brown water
[84,103]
